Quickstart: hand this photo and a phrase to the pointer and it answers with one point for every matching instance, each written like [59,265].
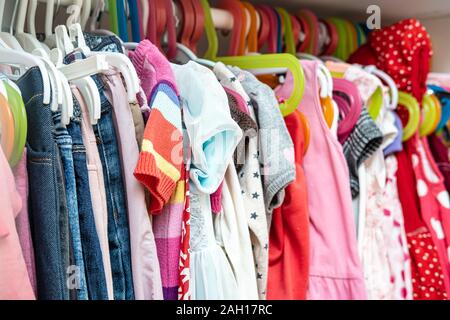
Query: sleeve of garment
[160,161]
[276,146]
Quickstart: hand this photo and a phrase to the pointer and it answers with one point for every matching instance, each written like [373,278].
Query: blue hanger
[134,18]
[444,97]
[122,21]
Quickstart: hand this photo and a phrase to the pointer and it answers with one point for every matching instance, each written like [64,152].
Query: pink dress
[14,279]
[335,268]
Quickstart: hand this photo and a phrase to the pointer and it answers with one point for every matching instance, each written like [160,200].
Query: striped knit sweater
[161,159]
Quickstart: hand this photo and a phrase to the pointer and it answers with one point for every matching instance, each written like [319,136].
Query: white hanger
[89,91]
[67,104]
[116,60]
[12,57]
[26,40]
[388,80]
[53,77]
[85,12]
[8,38]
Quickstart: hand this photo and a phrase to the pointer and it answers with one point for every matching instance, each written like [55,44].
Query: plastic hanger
[280,30]
[7,125]
[306,128]
[187,22]
[328,38]
[389,81]
[245,18]
[305,34]
[7,37]
[274,61]
[144,10]
[20,122]
[12,57]
[252,38]
[199,25]
[326,94]
[273,26]
[288,34]
[211,35]
[438,107]
[296,30]
[233,6]
[171,30]
[122,20]
[113,22]
[116,60]
[311,20]
[67,101]
[85,12]
[27,41]
[412,106]
[264,29]
[429,115]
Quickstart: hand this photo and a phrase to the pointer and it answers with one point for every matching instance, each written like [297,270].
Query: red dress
[289,234]
[426,266]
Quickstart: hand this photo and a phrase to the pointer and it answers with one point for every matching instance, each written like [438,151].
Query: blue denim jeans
[64,142]
[93,262]
[118,230]
[45,189]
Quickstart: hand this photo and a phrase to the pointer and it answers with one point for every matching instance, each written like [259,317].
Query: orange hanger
[306,128]
[234,7]
[244,31]
[199,25]
[252,37]
[328,110]
[438,106]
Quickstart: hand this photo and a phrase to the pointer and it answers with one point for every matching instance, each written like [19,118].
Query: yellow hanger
[429,115]
[271,61]
[412,106]
[438,106]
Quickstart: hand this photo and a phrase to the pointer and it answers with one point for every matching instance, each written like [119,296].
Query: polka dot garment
[403,50]
[433,199]
[428,279]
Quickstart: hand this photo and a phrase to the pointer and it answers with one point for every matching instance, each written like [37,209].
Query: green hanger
[411,104]
[375,103]
[341,49]
[20,122]
[430,115]
[211,35]
[114,25]
[288,34]
[267,61]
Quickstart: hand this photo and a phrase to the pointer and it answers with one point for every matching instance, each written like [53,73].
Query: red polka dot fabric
[403,50]
[427,276]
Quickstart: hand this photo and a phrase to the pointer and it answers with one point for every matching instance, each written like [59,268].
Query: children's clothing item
[45,189]
[212,136]
[231,228]
[427,282]
[14,279]
[144,260]
[434,201]
[403,50]
[97,187]
[332,228]
[250,184]
[289,235]
[441,157]
[396,145]
[275,145]
[22,219]
[158,169]
[160,163]
[362,142]
[380,235]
